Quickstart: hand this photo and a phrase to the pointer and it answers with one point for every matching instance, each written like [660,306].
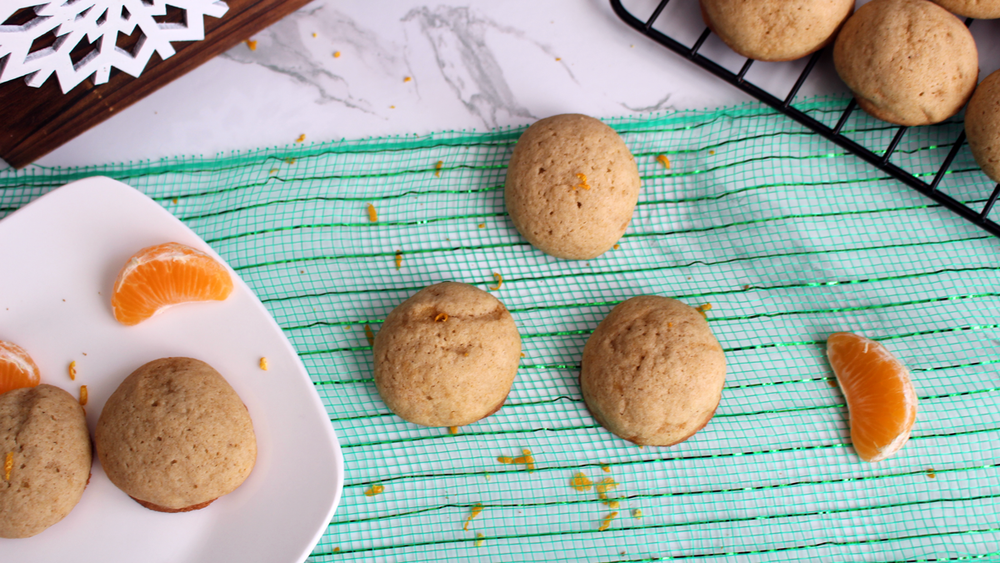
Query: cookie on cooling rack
[447,356]
[572,186]
[981,9]
[908,62]
[175,436]
[982,125]
[775,30]
[652,371]
[45,458]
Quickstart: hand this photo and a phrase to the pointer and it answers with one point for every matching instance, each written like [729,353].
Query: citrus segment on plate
[880,396]
[167,274]
[17,369]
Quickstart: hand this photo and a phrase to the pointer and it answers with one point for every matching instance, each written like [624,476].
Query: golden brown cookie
[775,30]
[572,185]
[45,458]
[447,356]
[908,62]
[982,125]
[981,9]
[652,371]
[175,436]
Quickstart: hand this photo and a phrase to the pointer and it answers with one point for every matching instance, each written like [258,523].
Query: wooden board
[37,120]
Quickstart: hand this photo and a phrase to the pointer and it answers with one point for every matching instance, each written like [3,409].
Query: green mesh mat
[786,236]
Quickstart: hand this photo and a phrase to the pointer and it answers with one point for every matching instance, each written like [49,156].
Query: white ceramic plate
[59,257]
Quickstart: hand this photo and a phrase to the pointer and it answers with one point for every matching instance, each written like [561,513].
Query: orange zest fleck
[252,43]
[637,514]
[617,246]
[8,466]
[702,309]
[369,335]
[602,488]
[174,201]
[480,538]
[399,259]
[72,370]
[931,474]
[662,159]
[580,482]
[17,369]
[453,430]
[314,34]
[583,182]
[437,168]
[300,138]
[272,171]
[441,318]
[605,469]
[499,280]
[522,354]
[372,213]
[476,511]
[289,161]
[481,225]
[167,274]
[711,152]
[558,59]
[336,54]
[613,504]
[84,396]
[263,364]
[374,490]
[407,79]
[606,523]
[336,550]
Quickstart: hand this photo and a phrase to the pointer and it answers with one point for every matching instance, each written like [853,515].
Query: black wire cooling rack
[879,159]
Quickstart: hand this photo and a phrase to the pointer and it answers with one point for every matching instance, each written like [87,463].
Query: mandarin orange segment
[880,396]
[167,274]
[17,369]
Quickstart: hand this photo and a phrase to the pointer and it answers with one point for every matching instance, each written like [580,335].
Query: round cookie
[908,62]
[982,125]
[775,30]
[447,356]
[175,436]
[652,371]
[981,9]
[572,185]
[43,434]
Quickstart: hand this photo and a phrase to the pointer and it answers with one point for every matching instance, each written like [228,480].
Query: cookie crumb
[583,182]
[369,335]
[476,511]
[606,523]
[480,538]
[301,138]
[252,43]
[72,370]
[399,259]
[374,490]
[437,168]
[8,466]
[499,280]
[580,482]
[746,287]
[83,395]
[263,364]
[662,159]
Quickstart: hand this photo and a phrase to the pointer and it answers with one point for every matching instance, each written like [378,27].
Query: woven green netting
[786,236]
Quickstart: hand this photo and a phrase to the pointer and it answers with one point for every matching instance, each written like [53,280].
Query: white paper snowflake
[96,23]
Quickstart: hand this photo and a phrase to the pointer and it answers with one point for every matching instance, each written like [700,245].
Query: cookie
[571,187]
[447,356]
[175,436]
[652,371]
[908,62]
[982,125]
[45,458]
[981,9]
[775,30]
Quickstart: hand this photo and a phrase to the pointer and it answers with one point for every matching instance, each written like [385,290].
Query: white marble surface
[476,64]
